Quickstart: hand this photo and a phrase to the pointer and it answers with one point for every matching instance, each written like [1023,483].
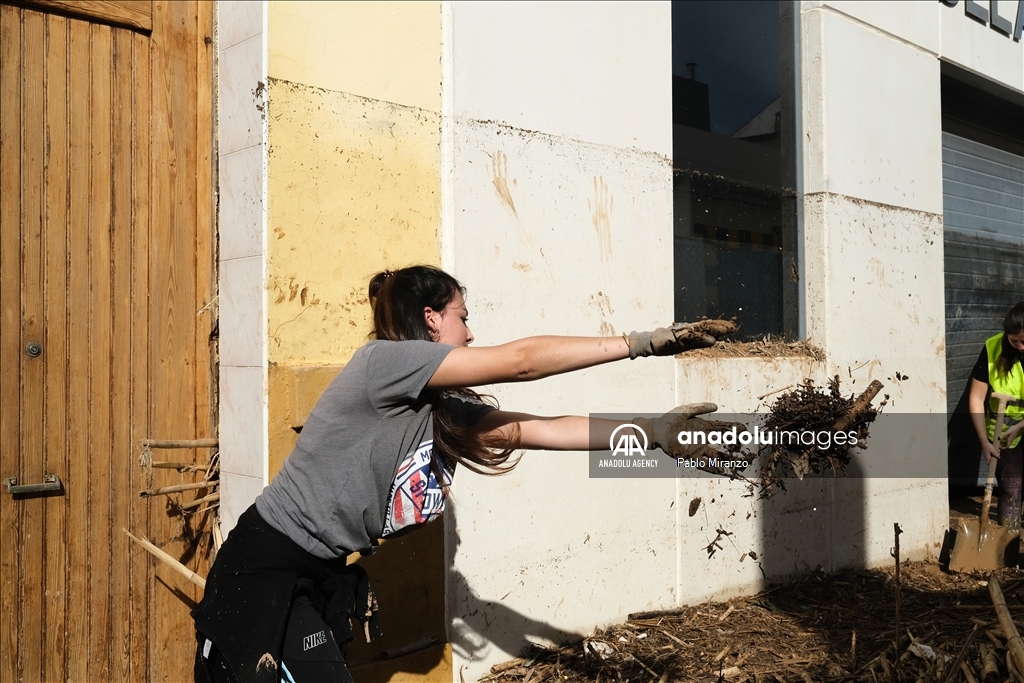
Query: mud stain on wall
[602,211]
[499,177]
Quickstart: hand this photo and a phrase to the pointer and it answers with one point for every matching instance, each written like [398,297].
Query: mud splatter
[499,177]
[266,661]
[602,211]
[602,303]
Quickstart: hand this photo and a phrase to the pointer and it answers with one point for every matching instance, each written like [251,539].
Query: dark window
[733,94]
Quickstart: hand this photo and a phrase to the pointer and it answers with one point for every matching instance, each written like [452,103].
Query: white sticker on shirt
[416,497]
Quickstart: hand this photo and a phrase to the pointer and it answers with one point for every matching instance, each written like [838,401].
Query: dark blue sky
[735,44]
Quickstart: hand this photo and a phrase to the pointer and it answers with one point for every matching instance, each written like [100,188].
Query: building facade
[556,158]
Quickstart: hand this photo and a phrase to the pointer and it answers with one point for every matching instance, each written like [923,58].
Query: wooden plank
[99,454]
[135,14]
[141,576]
[172,297]
[56,348]
[120,395]
[205,265]
[32,282]
[10,330]
[204,220]
[77,483]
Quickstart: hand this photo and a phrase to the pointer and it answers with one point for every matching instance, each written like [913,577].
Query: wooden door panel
[10,335]
[55,340]
[105,259]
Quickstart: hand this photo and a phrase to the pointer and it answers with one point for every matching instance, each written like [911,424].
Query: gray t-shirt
[332,494]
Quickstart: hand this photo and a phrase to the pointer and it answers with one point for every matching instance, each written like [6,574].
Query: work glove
[680,337]
[663,432]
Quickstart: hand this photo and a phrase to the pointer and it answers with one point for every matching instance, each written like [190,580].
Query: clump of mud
[716,328]
[766,347]
[809,408]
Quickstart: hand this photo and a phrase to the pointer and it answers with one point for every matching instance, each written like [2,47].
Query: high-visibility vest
[1012,383]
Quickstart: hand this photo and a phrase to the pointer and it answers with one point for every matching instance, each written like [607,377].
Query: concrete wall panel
[242,224]
[874,278]
[769,539]
[914,22]
[872,120]
[555,236]
[549,66]
[388,51]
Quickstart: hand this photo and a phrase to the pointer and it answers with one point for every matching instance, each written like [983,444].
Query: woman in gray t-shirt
[375,459]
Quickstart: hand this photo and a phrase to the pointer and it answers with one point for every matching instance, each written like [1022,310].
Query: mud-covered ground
[820,627]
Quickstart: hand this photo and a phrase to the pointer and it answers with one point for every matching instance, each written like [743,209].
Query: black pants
[309,654]
[1009,473]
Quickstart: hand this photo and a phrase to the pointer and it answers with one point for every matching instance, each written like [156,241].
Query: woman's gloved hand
[663,432]
[679,337]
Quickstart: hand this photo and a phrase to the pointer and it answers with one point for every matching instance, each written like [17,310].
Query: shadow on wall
[817,523]
[483,625]
[408,577]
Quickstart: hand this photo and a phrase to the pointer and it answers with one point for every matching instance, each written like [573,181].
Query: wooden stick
[968,673]
[862,402]
[1013,640]
[896,555]
[887,669]
[995,640]
[644,666]
[180,443]
[959,663]
[173,563]
[989,663]
[762,396]
[218,538]
[505,666]
[177,488]
[214,466]
[199,501]
[180,466]
[637,616]
[1012,669]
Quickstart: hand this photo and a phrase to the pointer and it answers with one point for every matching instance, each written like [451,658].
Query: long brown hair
[1013,323]
[398,299]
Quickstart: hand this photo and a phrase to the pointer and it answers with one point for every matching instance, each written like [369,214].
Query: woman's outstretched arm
[537,357]
[559,433]
[525,360]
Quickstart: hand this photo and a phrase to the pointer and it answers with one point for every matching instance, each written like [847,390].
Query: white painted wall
[945,32]
[561,223]
[554,110]
[242,158]
[873,248]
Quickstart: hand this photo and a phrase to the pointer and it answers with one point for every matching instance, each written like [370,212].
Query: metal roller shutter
[983,215]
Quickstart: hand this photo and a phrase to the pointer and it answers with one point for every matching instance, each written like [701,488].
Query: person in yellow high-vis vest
[999,370]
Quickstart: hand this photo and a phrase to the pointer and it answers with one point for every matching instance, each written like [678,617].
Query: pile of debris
[821,627]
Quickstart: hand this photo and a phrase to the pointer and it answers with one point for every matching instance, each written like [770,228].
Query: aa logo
[628,443]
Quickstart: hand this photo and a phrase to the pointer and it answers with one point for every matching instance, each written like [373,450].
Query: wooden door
[106,264]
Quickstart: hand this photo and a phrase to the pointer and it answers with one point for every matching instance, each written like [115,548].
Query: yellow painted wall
[388,51]
[353,187]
